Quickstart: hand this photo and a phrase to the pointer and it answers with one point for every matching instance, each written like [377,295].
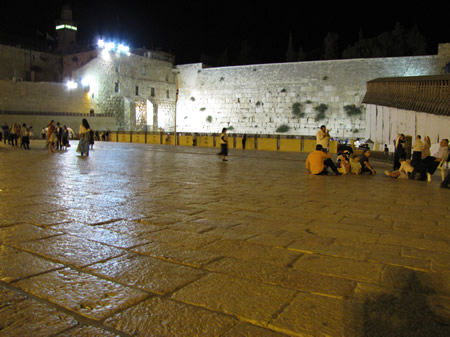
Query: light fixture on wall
[71,85]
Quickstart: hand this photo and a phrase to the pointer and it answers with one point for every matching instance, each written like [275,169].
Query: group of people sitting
[320,160]
[423,164]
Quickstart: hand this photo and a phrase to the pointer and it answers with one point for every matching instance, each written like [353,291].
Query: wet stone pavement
[143,240]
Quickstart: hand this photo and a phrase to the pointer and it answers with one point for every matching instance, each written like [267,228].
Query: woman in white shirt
[83,144]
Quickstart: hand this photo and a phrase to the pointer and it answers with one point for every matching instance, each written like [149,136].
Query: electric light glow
[71,85]
[59,27]
[111,46]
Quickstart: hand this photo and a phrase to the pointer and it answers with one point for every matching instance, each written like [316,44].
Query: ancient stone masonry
[138,90]
[293,98]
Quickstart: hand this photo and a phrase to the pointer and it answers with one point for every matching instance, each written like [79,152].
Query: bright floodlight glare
[101,43]
[85,82]
[123,49]
[72,85]
[110,46]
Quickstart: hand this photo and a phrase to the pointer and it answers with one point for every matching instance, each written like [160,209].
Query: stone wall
[119,83]
[29,65]
[42,97]
[259,99]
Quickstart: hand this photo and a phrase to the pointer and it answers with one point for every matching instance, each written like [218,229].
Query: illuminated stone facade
[258,99]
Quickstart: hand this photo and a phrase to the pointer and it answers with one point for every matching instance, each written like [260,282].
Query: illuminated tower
[66,31]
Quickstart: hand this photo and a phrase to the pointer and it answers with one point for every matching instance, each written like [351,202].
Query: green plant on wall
[193,99]
[320,112]
[297,110]
[230,128]
[352,110]
[283,128]
[209,119]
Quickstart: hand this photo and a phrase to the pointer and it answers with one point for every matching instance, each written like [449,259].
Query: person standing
[323,138]
[51,136]
[65,138]
[417,152]
[223,145]
[58,136]
[25,137]
[244,141]
[399,151]
[83,144]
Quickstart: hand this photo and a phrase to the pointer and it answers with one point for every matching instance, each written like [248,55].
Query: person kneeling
[318,162]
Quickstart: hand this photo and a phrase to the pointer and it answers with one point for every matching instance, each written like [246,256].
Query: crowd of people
[57,136]
[421,166]
[17,135]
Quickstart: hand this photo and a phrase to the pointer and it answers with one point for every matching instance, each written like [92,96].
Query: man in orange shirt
[318,162]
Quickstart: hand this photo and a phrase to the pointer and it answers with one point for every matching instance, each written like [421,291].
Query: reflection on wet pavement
[170,241]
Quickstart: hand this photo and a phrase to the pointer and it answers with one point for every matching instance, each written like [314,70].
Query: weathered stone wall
[29,65]
[260,98]
[42,97]
[119,80]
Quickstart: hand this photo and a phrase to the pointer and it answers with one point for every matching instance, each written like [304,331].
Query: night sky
[189,29]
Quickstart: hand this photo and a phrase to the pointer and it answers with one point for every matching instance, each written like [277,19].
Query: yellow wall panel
[309,145]
[205,141]
[153,139]
[124,137]
[185,140]
[267,144]
[138,137]
[290,145]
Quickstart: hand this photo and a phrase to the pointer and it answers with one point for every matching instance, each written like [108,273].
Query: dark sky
[191,28]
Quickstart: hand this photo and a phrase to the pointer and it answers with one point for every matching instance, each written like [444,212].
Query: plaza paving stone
[149,240]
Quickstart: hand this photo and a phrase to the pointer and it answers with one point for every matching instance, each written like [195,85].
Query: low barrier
[253,142]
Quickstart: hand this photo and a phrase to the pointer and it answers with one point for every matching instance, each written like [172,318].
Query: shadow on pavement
[411,310]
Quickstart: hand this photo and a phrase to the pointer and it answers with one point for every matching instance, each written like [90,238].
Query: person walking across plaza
[83,144]
[323,138]
[317,162]
[223,145]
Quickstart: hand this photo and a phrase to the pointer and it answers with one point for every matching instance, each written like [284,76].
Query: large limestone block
[248,300]
[85,294]
[164,317]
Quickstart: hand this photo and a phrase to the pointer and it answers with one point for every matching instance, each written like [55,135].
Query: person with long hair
[83,144]
[51,136]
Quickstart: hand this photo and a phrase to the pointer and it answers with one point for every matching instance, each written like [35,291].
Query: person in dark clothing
[399,151]
[223,145]
[364,161]
[244,140]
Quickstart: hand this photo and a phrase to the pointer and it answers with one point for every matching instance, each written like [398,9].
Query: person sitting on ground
[431,163]
[318,161]
[364,161]
[342,163]
[355,165]
[405,170]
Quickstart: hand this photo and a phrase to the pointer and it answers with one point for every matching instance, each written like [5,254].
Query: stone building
[294,98]
[139,90]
